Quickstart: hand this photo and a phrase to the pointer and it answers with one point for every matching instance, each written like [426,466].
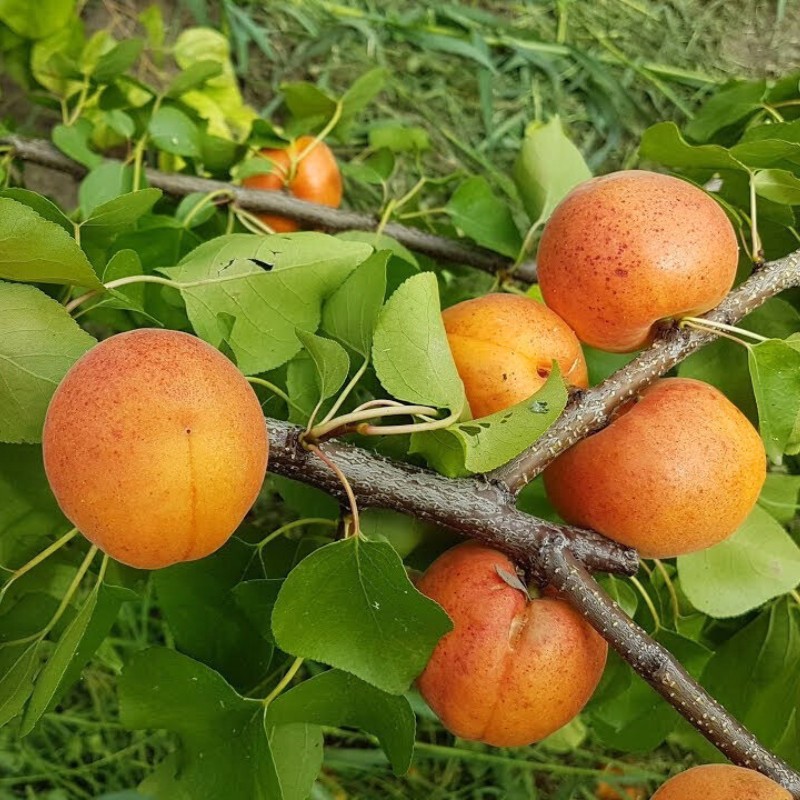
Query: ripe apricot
[624,251]
[677,470]
[721,782]
[315,177]
[155,447]
[504,346]
[512,671]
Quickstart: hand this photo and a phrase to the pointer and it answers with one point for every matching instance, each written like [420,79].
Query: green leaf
[307,100]
[297,753]
[51,675]
[482,216]
[37,250]
[351,312]
[726,108]
[547,168]
[330,359]
[194,77]
[173,132]
[41,205]
[398,138]
[765,152]
[410,351]
[778,185]
[760,561]
[224,750]
[663,144]
[117,61]
[104,183]
[489,442]
[362,91]
[256,599]
[36,20]
[753,674]
[780,495]
[39,342]
[16,683]
[342,700]
[197,597]
[270,286]
[120,122]
[775,372]
[119,214]
[350,604]
[73,141]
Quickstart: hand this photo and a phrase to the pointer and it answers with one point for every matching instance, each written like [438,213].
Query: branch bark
[39,151]
[589,411]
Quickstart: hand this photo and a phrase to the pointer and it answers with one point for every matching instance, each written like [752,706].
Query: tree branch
[471,506]
[590,410]
[39,151]
[660,669]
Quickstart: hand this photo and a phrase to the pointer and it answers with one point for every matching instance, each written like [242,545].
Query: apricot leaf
[38,250]
[664,144]
[350,604]
[119,213]
[775,372]
[39,342]
[193,77]
[727,108]
[779,496]
[41,205]
[760,561]
[102,184]
[547,168]
[173,132]
[778,185]
[37,20]
[330,360]
[483,444]
[340,699]
[351,312]
[410,351]
[484,217]
[225,749]
[73,141]
[269,285]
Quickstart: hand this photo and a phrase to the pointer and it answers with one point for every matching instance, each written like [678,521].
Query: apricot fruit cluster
[155,447]
[307,169]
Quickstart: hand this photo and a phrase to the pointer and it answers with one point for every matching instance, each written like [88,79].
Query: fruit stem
[720,327]
[252,222]
[419,427]
[368,414]
[676,608]
[346,392]
[275,390]
[36,560]
[332,123]
[209,198]
[348,489]
[757,246]
[284,681]
[648,601]
[297,523]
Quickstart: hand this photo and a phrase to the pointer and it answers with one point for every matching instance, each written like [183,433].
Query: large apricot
[314,176]
[155,447]
[721,782]
[512,671]
[626,250]
[504,346]
[677,470]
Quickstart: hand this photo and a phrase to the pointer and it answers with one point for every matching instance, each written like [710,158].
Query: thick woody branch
[471,507]
[313,215]
[591,410]
[660,669]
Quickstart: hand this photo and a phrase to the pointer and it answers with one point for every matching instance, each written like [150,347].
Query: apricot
[677,470]
[721,782]
[513,670]
[624,251]
[155,447]
[504,346]
[315,177]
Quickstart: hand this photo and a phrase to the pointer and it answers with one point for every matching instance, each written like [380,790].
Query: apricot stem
[210,197]
[757,246]
[676,608]
[36,560]
[346,392]
[648,601]
[332,123]
[284,681]
[368,414]
[275,390]
[348,490]
[252,222]
[699,323]
[419,427]
[297,523]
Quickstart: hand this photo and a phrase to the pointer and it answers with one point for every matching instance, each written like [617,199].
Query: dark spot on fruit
[623,273]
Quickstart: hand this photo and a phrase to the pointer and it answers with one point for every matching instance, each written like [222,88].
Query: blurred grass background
[473,74]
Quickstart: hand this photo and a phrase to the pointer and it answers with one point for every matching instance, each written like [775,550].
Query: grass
[473,74]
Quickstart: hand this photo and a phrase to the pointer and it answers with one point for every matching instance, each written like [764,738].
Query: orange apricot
[627,250]
[721,782]
[676,471]
[315,177]
[504,346]
[155,447]
[513,670]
